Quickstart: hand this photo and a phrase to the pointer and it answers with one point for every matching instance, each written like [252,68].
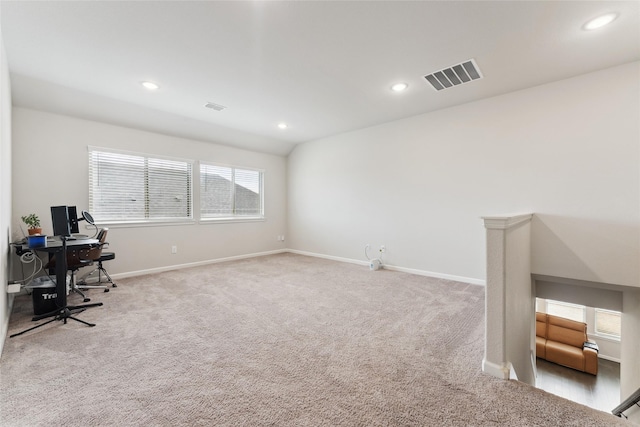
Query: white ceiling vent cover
[456,75]
[215,106]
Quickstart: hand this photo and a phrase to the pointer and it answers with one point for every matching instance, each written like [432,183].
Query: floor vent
[464,72]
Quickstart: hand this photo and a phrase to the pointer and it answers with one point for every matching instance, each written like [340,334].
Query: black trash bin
[43,292]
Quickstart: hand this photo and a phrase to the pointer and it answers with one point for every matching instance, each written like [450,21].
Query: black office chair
[98,256]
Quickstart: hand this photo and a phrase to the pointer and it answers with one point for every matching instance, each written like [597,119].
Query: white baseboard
[395,268]
[193,264]
[605,357]
[451,277]
[5,325]
[331,257]
[298,252]
[499,371]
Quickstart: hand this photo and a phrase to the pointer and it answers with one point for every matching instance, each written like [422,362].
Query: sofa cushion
[566,331]
[564,354]
[541,325]
[540,347]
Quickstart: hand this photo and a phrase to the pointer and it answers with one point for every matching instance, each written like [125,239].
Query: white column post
[496,360]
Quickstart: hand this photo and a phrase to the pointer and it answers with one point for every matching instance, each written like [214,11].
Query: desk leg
[61,276]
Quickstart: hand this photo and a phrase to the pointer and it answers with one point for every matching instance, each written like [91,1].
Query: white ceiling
[322,67]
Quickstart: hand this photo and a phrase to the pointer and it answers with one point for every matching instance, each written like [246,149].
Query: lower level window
[566,310]
[608,323]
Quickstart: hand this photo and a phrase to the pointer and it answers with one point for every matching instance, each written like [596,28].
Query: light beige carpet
[282,340]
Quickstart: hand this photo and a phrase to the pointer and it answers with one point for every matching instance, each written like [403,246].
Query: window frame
[143,222]
[230,218]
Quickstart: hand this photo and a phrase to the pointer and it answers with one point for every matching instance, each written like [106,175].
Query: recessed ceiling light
[150,85]
[600,21]
[399,87]
[283,125]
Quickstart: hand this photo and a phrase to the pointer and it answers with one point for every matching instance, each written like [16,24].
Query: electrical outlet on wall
[174,249]
[383,249]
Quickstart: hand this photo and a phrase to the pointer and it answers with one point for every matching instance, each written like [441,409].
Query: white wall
[5,192]
[567,151]
[50,168]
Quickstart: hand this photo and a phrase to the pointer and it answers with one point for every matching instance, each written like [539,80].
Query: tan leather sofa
[561,341]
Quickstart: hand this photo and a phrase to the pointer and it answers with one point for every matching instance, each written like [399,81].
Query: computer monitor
[73,219]
[60,221]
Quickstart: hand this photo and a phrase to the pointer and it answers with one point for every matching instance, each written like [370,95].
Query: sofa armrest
[590,360]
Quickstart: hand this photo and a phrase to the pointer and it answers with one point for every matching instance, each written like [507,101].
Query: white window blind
[129,187]
[228,192]
[608,323]
[566,310]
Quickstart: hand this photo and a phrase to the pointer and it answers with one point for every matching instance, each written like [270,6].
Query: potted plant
[33,222]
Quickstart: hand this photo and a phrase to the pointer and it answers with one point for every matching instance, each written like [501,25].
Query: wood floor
[600,392]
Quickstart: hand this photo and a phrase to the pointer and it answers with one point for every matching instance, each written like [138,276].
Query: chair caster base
[106,290]
[86,299]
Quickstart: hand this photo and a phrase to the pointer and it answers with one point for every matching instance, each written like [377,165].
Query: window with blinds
[230,193]
[131,187]
[608,323]
[566,310]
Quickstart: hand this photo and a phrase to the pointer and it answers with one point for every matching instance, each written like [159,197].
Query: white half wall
[509,300]
[568,151]
[50,167]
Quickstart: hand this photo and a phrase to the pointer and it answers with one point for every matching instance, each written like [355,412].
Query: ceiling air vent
[215,106]
[464,72]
